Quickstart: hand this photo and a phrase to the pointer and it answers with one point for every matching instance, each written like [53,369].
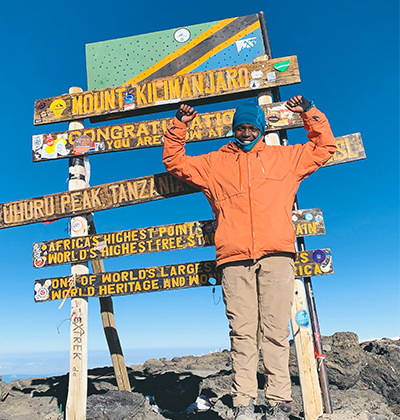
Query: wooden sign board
[144,134]
[349,149]
[155,279]
[186,235]
[226,83]
[87,200]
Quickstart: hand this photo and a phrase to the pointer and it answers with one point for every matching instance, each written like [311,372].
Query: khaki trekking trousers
[256,293]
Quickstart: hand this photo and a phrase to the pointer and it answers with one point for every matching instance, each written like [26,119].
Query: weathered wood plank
[144,134]
[87,200]
[154,279]
[307,222]
[302,336]
[78,336]
[162,94]
[349,149]
[110,329]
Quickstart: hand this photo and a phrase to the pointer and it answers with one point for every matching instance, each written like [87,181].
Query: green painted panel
[112,63]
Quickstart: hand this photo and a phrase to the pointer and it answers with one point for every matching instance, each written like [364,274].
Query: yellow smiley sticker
[57,107]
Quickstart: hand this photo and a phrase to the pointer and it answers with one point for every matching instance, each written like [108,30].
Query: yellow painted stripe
[180,51]
[219,47]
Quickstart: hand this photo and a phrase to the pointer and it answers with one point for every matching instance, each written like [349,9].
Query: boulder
[344,360]
[120,405]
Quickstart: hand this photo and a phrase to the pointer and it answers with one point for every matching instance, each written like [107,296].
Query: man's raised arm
[193,170]
[321,145]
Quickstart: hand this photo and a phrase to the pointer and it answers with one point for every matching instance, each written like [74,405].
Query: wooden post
[110,329]
[264,98]
[77,387]
[309,384]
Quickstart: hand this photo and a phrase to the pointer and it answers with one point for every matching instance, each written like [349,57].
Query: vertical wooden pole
[310,389]
[110,329]
[77,387]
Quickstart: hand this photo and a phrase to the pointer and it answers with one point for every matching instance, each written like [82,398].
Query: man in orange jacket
[251,188]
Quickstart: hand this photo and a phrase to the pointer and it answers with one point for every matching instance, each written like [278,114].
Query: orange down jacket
[251,193]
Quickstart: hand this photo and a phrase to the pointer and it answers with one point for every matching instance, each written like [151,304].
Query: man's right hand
[186,113]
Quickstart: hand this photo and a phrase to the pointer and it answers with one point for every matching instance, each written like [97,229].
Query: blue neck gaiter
[247,147]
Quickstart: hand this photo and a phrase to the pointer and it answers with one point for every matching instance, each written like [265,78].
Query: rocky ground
[364,383]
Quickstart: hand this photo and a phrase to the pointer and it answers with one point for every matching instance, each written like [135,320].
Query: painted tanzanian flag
[175,51]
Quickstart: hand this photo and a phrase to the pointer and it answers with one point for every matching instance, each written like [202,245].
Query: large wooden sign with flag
[226,83]
[154,279]
[307,222]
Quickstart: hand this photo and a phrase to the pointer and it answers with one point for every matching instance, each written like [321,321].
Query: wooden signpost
[316,262]
[163,94]
[306,222]
[159,87]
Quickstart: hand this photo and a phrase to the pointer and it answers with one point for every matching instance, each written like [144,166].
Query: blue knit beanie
[250,113]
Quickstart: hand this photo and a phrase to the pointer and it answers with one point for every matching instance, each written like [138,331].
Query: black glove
[179,115]
[306,105]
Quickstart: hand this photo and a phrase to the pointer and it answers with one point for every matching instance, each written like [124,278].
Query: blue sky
[348,55]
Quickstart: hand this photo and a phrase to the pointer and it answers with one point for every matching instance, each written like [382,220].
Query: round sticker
[76,225]
[57,107]
[39,262]
[182,35]
[318,218]
[294,218]
[49,140]
[318,256]
[302,319]
[82,145]
[42,293]
[254,84]
[208,228]
[41,105]
[308,216]
[129,98]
